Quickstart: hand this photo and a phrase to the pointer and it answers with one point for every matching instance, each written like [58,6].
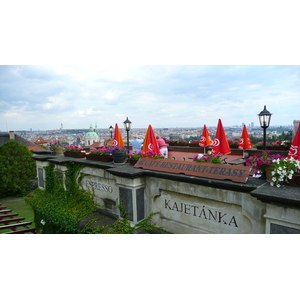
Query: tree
[16,168]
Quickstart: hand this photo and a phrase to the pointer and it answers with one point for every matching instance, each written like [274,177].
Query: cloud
[164,96]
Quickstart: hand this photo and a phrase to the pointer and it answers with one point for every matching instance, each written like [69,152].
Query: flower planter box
[234,146]
[178,144]
[58,151]
[118,158]
[74,154]
[193,145]
[97,157]
[132,161]
[295,181]
[278,148]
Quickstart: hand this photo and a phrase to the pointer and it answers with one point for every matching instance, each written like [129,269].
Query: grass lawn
[20,207]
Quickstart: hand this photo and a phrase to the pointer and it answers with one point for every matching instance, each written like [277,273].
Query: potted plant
[172,142]
[74,151]
[194,143]
[208,158]
[284,171]
[263,163]
[178,142]
[233,143]
[119,154]
[57,148]
[281,145]
[135,156]
[99,154]
[260,145]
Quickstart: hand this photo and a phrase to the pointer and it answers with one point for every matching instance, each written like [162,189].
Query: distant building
[6,137]
[296,124]
[92,138]
[41,141]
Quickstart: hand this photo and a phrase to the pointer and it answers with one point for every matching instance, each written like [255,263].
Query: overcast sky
[169,64]
[41,97]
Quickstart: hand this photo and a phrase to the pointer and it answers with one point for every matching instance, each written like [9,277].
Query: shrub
[58,209]
[16,168]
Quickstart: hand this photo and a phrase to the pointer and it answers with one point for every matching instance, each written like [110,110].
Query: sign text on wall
[208,170]
[99,186]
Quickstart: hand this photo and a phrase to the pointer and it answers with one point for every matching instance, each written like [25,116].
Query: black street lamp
[127,125]
[111,129]
[264,120]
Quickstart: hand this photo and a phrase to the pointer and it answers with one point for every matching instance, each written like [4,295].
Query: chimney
[11,135]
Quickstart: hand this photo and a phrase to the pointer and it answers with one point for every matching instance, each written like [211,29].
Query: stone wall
[187,204]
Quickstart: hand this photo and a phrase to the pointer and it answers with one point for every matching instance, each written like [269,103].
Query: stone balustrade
[187,204]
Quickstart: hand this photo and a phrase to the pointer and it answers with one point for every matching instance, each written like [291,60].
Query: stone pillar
[131,195]
[41,173]
[282,219]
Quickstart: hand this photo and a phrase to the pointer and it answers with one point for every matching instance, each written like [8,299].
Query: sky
[167,64]
[42,97]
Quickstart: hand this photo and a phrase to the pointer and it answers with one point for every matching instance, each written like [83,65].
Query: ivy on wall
[63,203]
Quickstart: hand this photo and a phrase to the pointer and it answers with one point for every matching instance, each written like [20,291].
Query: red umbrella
[205,139]
[150,143]
[220,146]
[118,140]
[294,149]
[245,142]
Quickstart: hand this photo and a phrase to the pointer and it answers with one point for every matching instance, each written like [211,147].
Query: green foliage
[61,208]
[282,137]
[64,203]
[16,168]
[123,225]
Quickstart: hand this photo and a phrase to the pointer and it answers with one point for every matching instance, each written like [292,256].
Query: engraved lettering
[203,212]
[220,216]
[194,207]
[187,209]
[167,204]
[233,221]
[211,214]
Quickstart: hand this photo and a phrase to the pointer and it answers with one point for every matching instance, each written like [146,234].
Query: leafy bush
[58,208]
[16,168]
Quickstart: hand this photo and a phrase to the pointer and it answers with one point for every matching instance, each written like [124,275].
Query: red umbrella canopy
[118,140]
[150,143]
[294,149]
[220,146]
[245,142]
[205,139]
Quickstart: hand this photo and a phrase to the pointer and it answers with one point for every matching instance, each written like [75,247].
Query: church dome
[91,134]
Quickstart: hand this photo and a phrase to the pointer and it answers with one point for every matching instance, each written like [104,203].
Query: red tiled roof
[30,145]
[40,140]
[35,148]
[96,144]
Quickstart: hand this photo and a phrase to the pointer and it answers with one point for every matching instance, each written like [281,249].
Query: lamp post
[111,129]
[264,120]
[127,125]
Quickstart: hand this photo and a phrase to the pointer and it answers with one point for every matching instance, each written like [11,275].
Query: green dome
[91,134]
